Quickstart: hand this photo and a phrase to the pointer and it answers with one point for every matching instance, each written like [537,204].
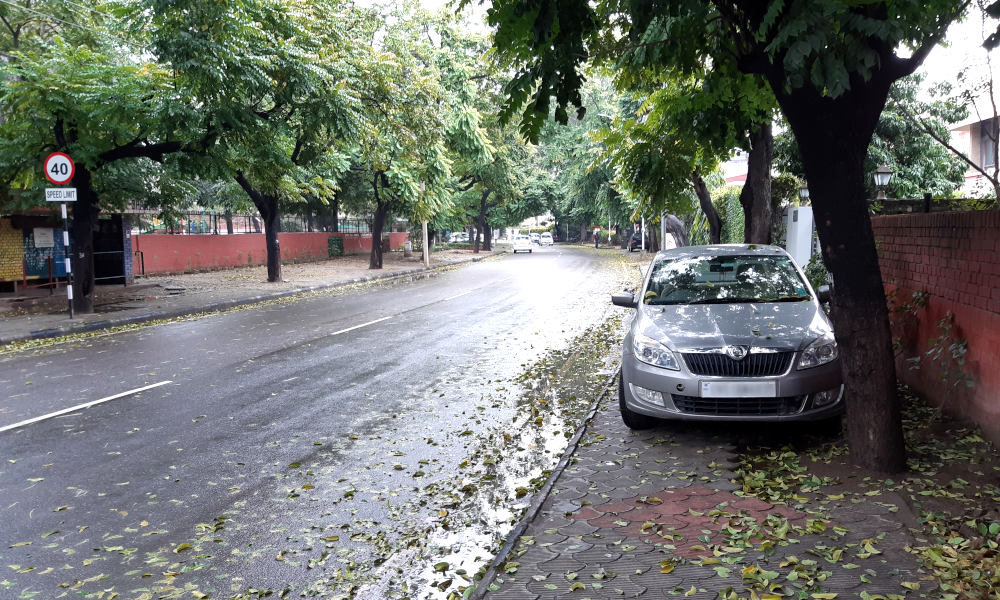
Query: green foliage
[920,164]
[581,188]
[335,246]
[948,351]
[87,102]
[816,271]
[727,203]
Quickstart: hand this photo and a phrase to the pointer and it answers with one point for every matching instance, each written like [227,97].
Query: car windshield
[725,280]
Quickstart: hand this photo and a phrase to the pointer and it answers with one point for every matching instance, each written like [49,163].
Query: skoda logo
[737,352]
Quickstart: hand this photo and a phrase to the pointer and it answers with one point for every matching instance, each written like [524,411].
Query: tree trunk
[229,221]
[378,221]
[583,232]
[833,137]
[676,228]
[755,197]
[85,211]
[488,239]
[272,225]
[267,206]
[481,221]
[705,201]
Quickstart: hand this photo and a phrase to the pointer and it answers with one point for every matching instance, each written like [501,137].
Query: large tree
[278,82]
[702,109]
[401,153]
[116,113]
[830,66]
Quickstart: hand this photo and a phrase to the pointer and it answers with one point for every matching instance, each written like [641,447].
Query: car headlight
[653,353]
[820,352]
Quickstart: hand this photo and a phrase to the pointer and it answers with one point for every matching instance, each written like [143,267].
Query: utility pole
[427,248]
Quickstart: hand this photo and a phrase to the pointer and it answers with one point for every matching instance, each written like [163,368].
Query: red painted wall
[163,253]
[955,259]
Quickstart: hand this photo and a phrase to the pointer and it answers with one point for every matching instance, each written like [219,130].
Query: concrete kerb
[224,305]
[483,585]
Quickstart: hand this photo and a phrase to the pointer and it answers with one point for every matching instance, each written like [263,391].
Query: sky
[964,48]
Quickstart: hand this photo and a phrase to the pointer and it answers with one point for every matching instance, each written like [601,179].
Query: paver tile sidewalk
[658,514]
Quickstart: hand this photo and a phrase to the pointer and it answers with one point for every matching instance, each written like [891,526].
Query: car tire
[529,251]
[632,419]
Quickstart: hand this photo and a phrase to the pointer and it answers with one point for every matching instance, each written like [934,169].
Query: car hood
[781,325]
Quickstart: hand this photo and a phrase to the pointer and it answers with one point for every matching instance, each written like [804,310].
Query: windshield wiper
[727,301]
[789,299]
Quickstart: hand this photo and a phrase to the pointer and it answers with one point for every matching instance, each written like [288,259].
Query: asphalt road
[341,443]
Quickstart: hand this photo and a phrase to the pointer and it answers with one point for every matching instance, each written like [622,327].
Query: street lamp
[883,175]
[804,191]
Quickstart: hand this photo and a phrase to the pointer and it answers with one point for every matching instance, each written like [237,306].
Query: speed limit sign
[59,168]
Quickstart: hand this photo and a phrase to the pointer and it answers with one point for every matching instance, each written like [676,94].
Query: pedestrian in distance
[597,237]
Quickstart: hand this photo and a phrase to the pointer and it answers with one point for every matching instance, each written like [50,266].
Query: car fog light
[826,397]
[647,396]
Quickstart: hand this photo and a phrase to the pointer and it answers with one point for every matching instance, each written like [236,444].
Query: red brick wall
[163,253]
[954,258]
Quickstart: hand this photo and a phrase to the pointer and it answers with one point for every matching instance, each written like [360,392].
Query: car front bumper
[800,395]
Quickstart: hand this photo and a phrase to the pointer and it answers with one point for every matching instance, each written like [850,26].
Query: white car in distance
[545,239]
[521,243]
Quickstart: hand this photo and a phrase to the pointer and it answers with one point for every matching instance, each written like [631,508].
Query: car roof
[720,250]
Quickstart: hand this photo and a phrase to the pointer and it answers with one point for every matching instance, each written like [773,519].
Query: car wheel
[632,419]
[529,251]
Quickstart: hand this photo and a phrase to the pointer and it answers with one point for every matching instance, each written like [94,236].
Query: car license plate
[739,389]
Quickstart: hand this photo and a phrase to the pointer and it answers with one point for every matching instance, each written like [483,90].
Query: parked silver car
[727,332]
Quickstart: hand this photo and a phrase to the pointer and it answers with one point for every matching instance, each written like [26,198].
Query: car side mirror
[626,299]
[823,293]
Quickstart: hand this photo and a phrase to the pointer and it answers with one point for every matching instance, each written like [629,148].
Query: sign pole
[59,169]
[69,261]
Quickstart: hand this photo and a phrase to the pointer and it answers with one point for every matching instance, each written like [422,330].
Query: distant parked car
[545,239]
[534,238]
[636,242]
[728,332]
[522,243]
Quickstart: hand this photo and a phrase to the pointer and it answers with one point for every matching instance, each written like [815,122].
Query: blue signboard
[36,259]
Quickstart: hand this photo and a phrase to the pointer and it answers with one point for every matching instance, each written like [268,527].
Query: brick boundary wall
[954,258]
[162,253]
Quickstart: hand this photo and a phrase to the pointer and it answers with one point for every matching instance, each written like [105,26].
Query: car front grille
[737,407]
[755,365]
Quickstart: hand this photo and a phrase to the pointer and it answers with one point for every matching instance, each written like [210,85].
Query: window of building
[987,143]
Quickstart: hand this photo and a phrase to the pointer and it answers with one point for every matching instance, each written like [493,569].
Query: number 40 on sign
[59,168]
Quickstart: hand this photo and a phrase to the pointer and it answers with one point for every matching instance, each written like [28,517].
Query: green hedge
[335,246]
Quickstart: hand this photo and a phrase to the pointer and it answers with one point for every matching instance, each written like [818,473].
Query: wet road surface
[373,442]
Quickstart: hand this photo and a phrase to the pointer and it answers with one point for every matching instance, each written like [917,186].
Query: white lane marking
[360,326]
[82,406]
[459,295]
